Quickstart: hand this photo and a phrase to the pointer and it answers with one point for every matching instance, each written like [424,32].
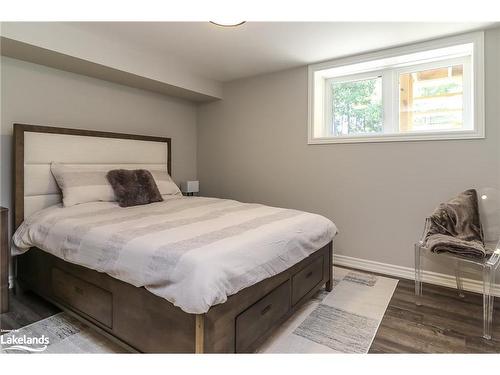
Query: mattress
[192,251]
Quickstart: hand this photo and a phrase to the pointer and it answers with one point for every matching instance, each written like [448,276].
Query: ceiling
[226,54]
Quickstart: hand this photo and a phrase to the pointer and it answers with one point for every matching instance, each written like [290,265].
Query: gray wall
[252,146]
[35,94]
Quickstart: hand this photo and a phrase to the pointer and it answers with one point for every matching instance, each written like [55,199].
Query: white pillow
[88,183]
[82,183]
[165,184]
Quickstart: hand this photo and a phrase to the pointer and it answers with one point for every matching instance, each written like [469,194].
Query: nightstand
[4,260]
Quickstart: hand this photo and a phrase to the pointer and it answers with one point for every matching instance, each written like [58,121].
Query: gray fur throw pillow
[133,187]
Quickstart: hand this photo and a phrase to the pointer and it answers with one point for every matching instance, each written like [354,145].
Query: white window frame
[349,78]
[319,108]
[467,90]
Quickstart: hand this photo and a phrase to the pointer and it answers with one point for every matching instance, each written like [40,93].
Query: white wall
[252,146]
[34,94]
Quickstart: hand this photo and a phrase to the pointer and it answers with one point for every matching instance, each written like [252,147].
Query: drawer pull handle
[309,274]
[78,290]
[265,310]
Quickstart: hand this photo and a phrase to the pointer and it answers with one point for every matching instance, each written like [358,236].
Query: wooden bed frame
[144,322]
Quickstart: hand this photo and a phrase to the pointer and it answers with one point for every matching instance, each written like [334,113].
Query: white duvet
[192,251]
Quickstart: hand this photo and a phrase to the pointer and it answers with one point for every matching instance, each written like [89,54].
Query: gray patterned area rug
[342,321]
[64,334]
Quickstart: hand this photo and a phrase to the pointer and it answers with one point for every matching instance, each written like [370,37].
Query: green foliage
[355,107]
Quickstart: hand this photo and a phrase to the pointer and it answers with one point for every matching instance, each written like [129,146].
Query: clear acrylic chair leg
[418,274]
[458,277]
[488,299]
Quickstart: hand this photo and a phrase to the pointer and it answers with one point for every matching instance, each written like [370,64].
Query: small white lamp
[190,187]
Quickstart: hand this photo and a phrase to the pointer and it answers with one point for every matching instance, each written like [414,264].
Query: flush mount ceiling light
[227,23]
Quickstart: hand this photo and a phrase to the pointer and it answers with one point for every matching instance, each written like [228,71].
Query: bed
[186,275]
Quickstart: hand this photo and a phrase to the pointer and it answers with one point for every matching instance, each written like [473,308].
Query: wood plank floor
[25,308]
[444,323]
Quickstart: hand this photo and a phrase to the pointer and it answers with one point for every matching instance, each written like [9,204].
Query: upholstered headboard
[36,147]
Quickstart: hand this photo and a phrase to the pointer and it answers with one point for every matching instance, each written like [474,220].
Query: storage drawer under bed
[252,323]
[83,296]
[306,279]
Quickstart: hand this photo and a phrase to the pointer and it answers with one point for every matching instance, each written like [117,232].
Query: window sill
[399,138]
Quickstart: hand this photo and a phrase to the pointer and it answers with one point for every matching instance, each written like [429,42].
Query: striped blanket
[192,251]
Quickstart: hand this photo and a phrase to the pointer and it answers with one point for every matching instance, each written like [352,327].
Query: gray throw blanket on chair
[455,227]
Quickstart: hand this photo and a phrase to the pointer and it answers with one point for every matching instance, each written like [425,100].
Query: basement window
[428,91]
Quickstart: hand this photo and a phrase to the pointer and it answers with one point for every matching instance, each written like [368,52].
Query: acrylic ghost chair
[489,212]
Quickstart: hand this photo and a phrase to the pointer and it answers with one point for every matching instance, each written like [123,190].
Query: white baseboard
[409,273]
